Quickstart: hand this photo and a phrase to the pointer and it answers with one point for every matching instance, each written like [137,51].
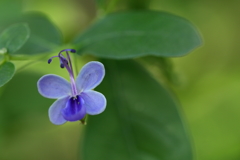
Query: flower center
[74,109]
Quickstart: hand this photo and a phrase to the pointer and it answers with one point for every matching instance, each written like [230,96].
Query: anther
[62,65]
[50,60]
[73,51]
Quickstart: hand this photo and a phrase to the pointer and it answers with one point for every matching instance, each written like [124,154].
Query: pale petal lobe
[55,111]
[90,76]
[53,86]
[94,102]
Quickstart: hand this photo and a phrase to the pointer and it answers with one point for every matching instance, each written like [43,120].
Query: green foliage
[24,82]
[138,4]
[7,70]
[14,37]
[45,37]
[139,33]
[17,40]
[1,58]
[162,68]
[10,10]
[101,2]
[141,121]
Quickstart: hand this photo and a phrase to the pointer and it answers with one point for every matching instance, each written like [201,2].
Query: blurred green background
[208,90]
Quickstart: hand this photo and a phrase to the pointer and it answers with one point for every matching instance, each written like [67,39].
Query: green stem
[84,120]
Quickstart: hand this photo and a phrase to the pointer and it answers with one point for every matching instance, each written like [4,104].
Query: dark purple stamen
[63,62]
[73,51]
[62,65]
[49,61]
[69,59]
[66,63]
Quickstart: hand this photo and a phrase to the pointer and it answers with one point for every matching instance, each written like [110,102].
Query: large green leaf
[7,71]
[24,90]
[9,10]
[14,37]
[45,37]
[138,33]
[141,121]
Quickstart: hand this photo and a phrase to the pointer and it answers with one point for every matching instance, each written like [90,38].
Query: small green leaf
[141,121]
[45,37]
[14,37]
[7,71]
[139,33]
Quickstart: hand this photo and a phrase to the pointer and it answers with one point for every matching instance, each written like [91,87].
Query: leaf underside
[141,121]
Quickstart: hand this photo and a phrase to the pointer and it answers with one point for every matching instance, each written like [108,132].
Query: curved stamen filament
[73,84]
[66,62]
[70,63]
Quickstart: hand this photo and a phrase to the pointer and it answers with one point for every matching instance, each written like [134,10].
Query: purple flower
[74,99]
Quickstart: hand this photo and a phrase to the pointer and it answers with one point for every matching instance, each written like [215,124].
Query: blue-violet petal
[55,111]
[53,86]
[90,76]
[94,102]
[74,109]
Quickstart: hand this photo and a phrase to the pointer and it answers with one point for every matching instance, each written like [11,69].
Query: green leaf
[162,68]
[9,10]
[139,33]
[45,37]
[14,112]
[14,37]
[1,58]
[100,2]
[141,121]
[7,71]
